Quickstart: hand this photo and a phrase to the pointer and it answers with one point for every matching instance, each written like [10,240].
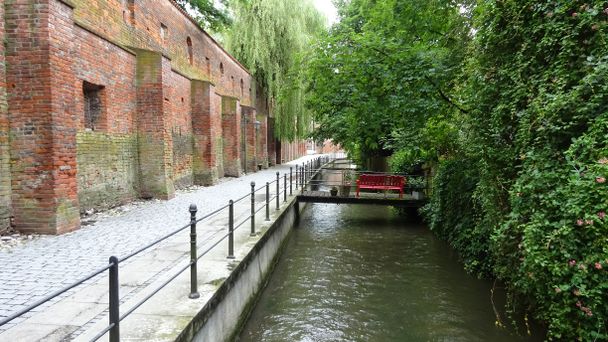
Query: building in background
[105,101]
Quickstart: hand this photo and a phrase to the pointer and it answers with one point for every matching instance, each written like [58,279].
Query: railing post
[285,188]
[290,181]
[308,164]
[252,208]
[303,175]
[267,201]
[297,178]
[193,257]
[231,229]
[278,193]
[114,301]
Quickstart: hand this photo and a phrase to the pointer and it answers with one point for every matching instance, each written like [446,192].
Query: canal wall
[221,318]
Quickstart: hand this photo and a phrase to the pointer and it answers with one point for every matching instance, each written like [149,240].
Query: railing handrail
[310,173]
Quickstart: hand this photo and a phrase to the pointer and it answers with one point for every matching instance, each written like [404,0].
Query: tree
[271,38]
[384,71]
[207,13]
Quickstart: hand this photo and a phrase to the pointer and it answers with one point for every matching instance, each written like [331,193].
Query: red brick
[166,119]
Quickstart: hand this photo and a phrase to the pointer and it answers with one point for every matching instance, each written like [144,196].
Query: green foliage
[207,13]
[406,161]
[271,38]
[384,70]
[453,214]
[553,248]
[513,113]
[538,77]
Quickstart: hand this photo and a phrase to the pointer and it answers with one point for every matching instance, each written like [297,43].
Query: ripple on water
[358,273]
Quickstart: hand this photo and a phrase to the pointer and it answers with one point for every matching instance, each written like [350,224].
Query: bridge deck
[365,198]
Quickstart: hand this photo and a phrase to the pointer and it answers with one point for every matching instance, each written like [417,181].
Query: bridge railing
[341,178]
[275,190]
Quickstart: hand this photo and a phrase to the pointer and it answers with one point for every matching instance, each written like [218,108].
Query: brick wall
[112,18]
[178,89]
[106,102]
[271,142]
[231,136]
[107,155]
[40,75]
[262,148]
[206,128]
[107,169]
[329,147]
[5,174]
[155,144]
[249,136]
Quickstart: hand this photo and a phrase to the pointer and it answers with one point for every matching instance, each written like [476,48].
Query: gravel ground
[34,265]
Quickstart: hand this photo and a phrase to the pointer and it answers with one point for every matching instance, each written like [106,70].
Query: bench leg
[358,192]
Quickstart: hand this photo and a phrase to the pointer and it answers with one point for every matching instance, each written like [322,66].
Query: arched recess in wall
[242,87]
[190,52]
[222,69]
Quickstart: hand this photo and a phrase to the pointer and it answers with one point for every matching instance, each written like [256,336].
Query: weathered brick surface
[248,139]
[41,116]
[272,143]
[231,136]
[329,147]
[107,169]
[178,89]
[262,140]
[291,150]
[154,126]
[108,102]
[107,158]
[206,128]
[112,18]
[5,174]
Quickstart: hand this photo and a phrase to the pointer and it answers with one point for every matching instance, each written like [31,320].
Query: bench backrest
[381,180]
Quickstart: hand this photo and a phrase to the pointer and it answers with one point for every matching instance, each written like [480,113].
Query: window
[241,87]
[221,68]
[208,62]
[190,53]
[93,106]
[164,32]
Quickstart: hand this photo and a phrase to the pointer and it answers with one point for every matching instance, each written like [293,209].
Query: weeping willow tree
[210,14]
[271,38]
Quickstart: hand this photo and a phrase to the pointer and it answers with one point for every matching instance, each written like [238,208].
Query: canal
[363,273]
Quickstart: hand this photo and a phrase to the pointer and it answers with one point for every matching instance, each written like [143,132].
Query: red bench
[381,182]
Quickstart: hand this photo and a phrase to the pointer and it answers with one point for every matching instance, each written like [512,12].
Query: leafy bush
[559,222]
[539,87]
[453,214]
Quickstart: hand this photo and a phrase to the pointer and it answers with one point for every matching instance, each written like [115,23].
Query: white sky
[327,8]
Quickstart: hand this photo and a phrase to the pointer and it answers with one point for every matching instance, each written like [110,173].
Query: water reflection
[360,273]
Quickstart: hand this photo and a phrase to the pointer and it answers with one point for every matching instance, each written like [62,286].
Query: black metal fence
[341,178]
[300,177]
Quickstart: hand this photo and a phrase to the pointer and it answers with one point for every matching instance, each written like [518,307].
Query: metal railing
[301,177]
[332,176]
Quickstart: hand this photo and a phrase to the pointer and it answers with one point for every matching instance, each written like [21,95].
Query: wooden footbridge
[338,183]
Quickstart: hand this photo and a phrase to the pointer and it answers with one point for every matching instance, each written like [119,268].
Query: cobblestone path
[47,263]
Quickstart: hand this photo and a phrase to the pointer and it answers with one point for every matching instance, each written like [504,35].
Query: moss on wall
[182,159]
[107,169]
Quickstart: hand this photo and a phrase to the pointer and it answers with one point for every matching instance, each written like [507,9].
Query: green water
[361,273]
